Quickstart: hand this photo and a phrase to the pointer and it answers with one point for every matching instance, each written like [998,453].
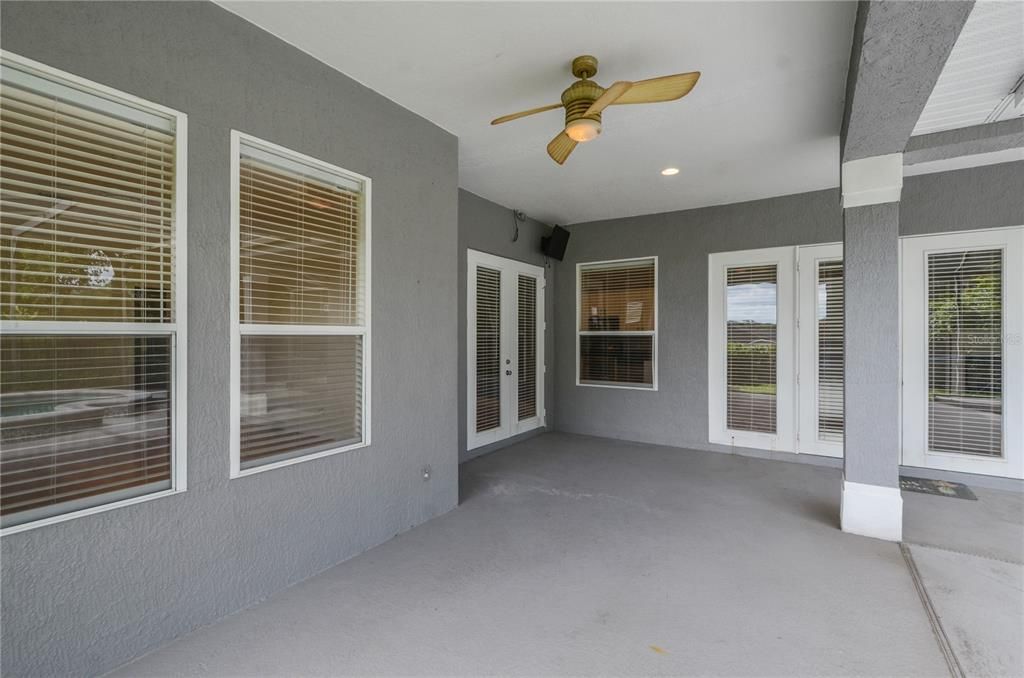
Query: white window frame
[510,424]
[651,333]
[176,330]
[784,437]
[914,251]
[238,329]
[807,259]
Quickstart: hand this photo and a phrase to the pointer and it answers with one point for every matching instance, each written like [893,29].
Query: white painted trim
[177,329]
[872,511]
[808,257]
[786,397]
[914,349]
[580,266]
[509,425]
[238,329]
[871,181]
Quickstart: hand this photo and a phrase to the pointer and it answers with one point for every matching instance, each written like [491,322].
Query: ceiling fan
[584,100]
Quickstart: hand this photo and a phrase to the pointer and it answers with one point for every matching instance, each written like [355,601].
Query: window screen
[302,306]
[617,324]
[965,352]
[88,235]
[751,342]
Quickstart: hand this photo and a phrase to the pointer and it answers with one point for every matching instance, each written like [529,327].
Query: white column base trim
[872,511]
[872,181]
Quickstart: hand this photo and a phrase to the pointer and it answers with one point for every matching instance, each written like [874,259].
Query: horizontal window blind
[300,248]
[965,352]
[830,350]
[300,394]
[527,333]
[617,323]
[488,349]
[83,416]
[88,207]
[751,342]
[301,265]
[87,224]
[617,296]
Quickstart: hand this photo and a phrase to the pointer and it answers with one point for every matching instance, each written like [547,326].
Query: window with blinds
[488,349]
[751,343]
[830,303]
[89,296]
[965,352]
[617,331]
[301,329]
[527,347]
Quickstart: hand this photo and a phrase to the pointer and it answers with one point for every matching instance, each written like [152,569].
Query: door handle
[508,373]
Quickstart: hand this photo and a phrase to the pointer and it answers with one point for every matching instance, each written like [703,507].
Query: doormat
[942,488]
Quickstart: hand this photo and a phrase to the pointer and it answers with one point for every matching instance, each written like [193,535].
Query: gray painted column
[871,279]
[871,501]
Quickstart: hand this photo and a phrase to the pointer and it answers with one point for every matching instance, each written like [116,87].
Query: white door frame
[510,424]
[808,258]
[914,253]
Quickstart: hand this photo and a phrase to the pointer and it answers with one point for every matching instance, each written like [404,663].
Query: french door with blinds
[505,348]
[775,346]
[963,352]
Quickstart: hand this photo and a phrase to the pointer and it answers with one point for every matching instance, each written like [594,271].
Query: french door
[820,331]
[963,352]
[505,348]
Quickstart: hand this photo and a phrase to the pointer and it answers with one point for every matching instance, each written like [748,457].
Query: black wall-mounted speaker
[554,245]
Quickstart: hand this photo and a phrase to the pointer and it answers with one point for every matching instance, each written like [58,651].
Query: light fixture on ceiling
[670,171]
[584,129]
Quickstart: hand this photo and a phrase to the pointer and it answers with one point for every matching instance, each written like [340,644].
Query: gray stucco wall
[488,227]
[84,596]
[677,414]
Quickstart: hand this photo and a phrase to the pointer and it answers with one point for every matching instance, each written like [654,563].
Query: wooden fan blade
[609,97]
[560,147]
[665,88]
[523,114]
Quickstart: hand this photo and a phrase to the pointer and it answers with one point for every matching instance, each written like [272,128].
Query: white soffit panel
[986,63]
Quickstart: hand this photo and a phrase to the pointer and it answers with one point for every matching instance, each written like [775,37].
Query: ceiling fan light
[583,129]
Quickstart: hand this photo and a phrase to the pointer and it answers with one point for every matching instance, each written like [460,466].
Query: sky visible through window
[752,303]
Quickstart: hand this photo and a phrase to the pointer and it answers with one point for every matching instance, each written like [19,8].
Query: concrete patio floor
[572,555]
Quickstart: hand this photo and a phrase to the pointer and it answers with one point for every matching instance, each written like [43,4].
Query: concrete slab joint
[872,181]
[872,511]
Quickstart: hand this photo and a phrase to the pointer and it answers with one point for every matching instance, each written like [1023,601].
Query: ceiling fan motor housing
[577,99]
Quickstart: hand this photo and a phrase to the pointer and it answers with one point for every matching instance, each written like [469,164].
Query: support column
[871,501]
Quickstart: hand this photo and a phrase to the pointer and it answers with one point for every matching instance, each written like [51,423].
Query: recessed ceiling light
[669,171]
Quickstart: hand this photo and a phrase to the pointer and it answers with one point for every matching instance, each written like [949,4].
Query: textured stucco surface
[486,226]
[676,414]
[86,595]
[871,450]
[899,49]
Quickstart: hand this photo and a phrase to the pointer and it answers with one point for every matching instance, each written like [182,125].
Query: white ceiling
[985,64]
[763,120]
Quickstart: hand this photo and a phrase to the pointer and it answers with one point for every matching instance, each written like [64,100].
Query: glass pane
[86,211]
[751,335]
[301,243]
[965,352]
[84,420]
[299,395]
[527,347]
[488,349]
[617,297]
[617,359]
[830,351]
